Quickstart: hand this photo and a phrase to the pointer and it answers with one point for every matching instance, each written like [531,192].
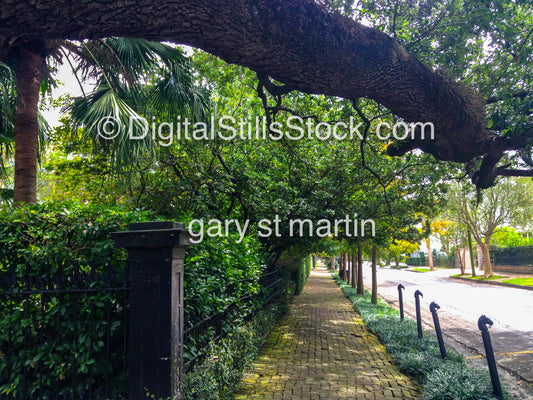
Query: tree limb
[296,42]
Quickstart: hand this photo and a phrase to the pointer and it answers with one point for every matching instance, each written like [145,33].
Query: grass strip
[520,281]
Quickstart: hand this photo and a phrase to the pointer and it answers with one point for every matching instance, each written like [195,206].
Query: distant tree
[510,237]
[399,247]
[509,202]
[437,228]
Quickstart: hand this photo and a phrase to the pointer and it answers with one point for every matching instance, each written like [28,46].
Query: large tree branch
[296,42]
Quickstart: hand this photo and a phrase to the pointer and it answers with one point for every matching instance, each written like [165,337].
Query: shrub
[219,374]
[54,337]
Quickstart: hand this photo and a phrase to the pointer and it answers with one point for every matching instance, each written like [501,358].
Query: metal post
[156,253]
[433,307]
[418,293]
[482,323]
[400,300]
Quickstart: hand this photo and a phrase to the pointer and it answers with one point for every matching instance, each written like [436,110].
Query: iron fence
[63,332]
[198,335]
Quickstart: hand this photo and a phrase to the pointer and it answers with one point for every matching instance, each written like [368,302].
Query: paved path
[322,350]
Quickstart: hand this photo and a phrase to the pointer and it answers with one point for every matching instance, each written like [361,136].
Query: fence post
[418,293]
[482,323]
[433,307]
[156,253]
[400,300]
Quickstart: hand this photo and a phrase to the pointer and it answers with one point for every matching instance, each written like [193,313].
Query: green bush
[217,377]
[420,357]
[72,243]
[299,270]
[219,272]
[63,333]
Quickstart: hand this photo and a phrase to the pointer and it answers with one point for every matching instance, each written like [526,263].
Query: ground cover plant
[448,379]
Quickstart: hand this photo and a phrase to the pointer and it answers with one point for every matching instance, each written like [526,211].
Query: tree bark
[471,254]
[486,260]
[342,266]
[460,261]
[26,127]
[354,270]
[348,268]
[360,286]
[374,298]
[430,255]
[297,42]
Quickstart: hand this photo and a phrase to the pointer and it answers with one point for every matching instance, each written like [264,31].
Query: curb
[495,283]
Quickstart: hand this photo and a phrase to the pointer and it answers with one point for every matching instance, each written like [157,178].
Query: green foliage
[219,272]
[509,237]
[219,374]
[220,275]
[61,233]
[420,357]
[64,334]
[58,239]
[297,270]
[458,382]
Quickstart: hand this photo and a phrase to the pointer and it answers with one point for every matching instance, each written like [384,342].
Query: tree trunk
[471,254]
[341,266]
[297,42]
[480,258]
[26,127]
[332,260]
[354,270]
[360,286]
[374,298]
[460,261]
[348,268]
[430,255]
[486,260]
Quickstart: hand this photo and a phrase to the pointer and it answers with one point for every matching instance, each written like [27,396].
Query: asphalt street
[462,303]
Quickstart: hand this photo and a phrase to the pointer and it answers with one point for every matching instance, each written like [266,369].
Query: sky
[67,84]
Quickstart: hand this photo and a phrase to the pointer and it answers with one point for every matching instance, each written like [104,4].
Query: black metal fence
[515,256]
[198,335]
[63,332]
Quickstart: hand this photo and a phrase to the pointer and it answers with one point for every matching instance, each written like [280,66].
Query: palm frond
[6,195]
[176,94]
[113,126]
[8,107]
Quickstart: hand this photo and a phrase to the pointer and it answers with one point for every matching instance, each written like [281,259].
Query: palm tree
[121,68]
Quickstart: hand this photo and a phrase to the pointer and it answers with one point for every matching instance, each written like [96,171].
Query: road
[462,303]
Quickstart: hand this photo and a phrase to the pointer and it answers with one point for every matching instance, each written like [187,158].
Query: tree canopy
[312,47]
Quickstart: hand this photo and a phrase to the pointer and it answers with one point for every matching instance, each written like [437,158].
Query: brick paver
[322,350]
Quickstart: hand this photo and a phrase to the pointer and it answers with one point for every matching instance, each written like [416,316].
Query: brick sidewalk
[322,350]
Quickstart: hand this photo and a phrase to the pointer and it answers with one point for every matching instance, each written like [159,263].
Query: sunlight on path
[322,350]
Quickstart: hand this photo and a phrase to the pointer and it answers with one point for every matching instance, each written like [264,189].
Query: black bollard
[400,299]
[491,361]
[418,317]
[433,307]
